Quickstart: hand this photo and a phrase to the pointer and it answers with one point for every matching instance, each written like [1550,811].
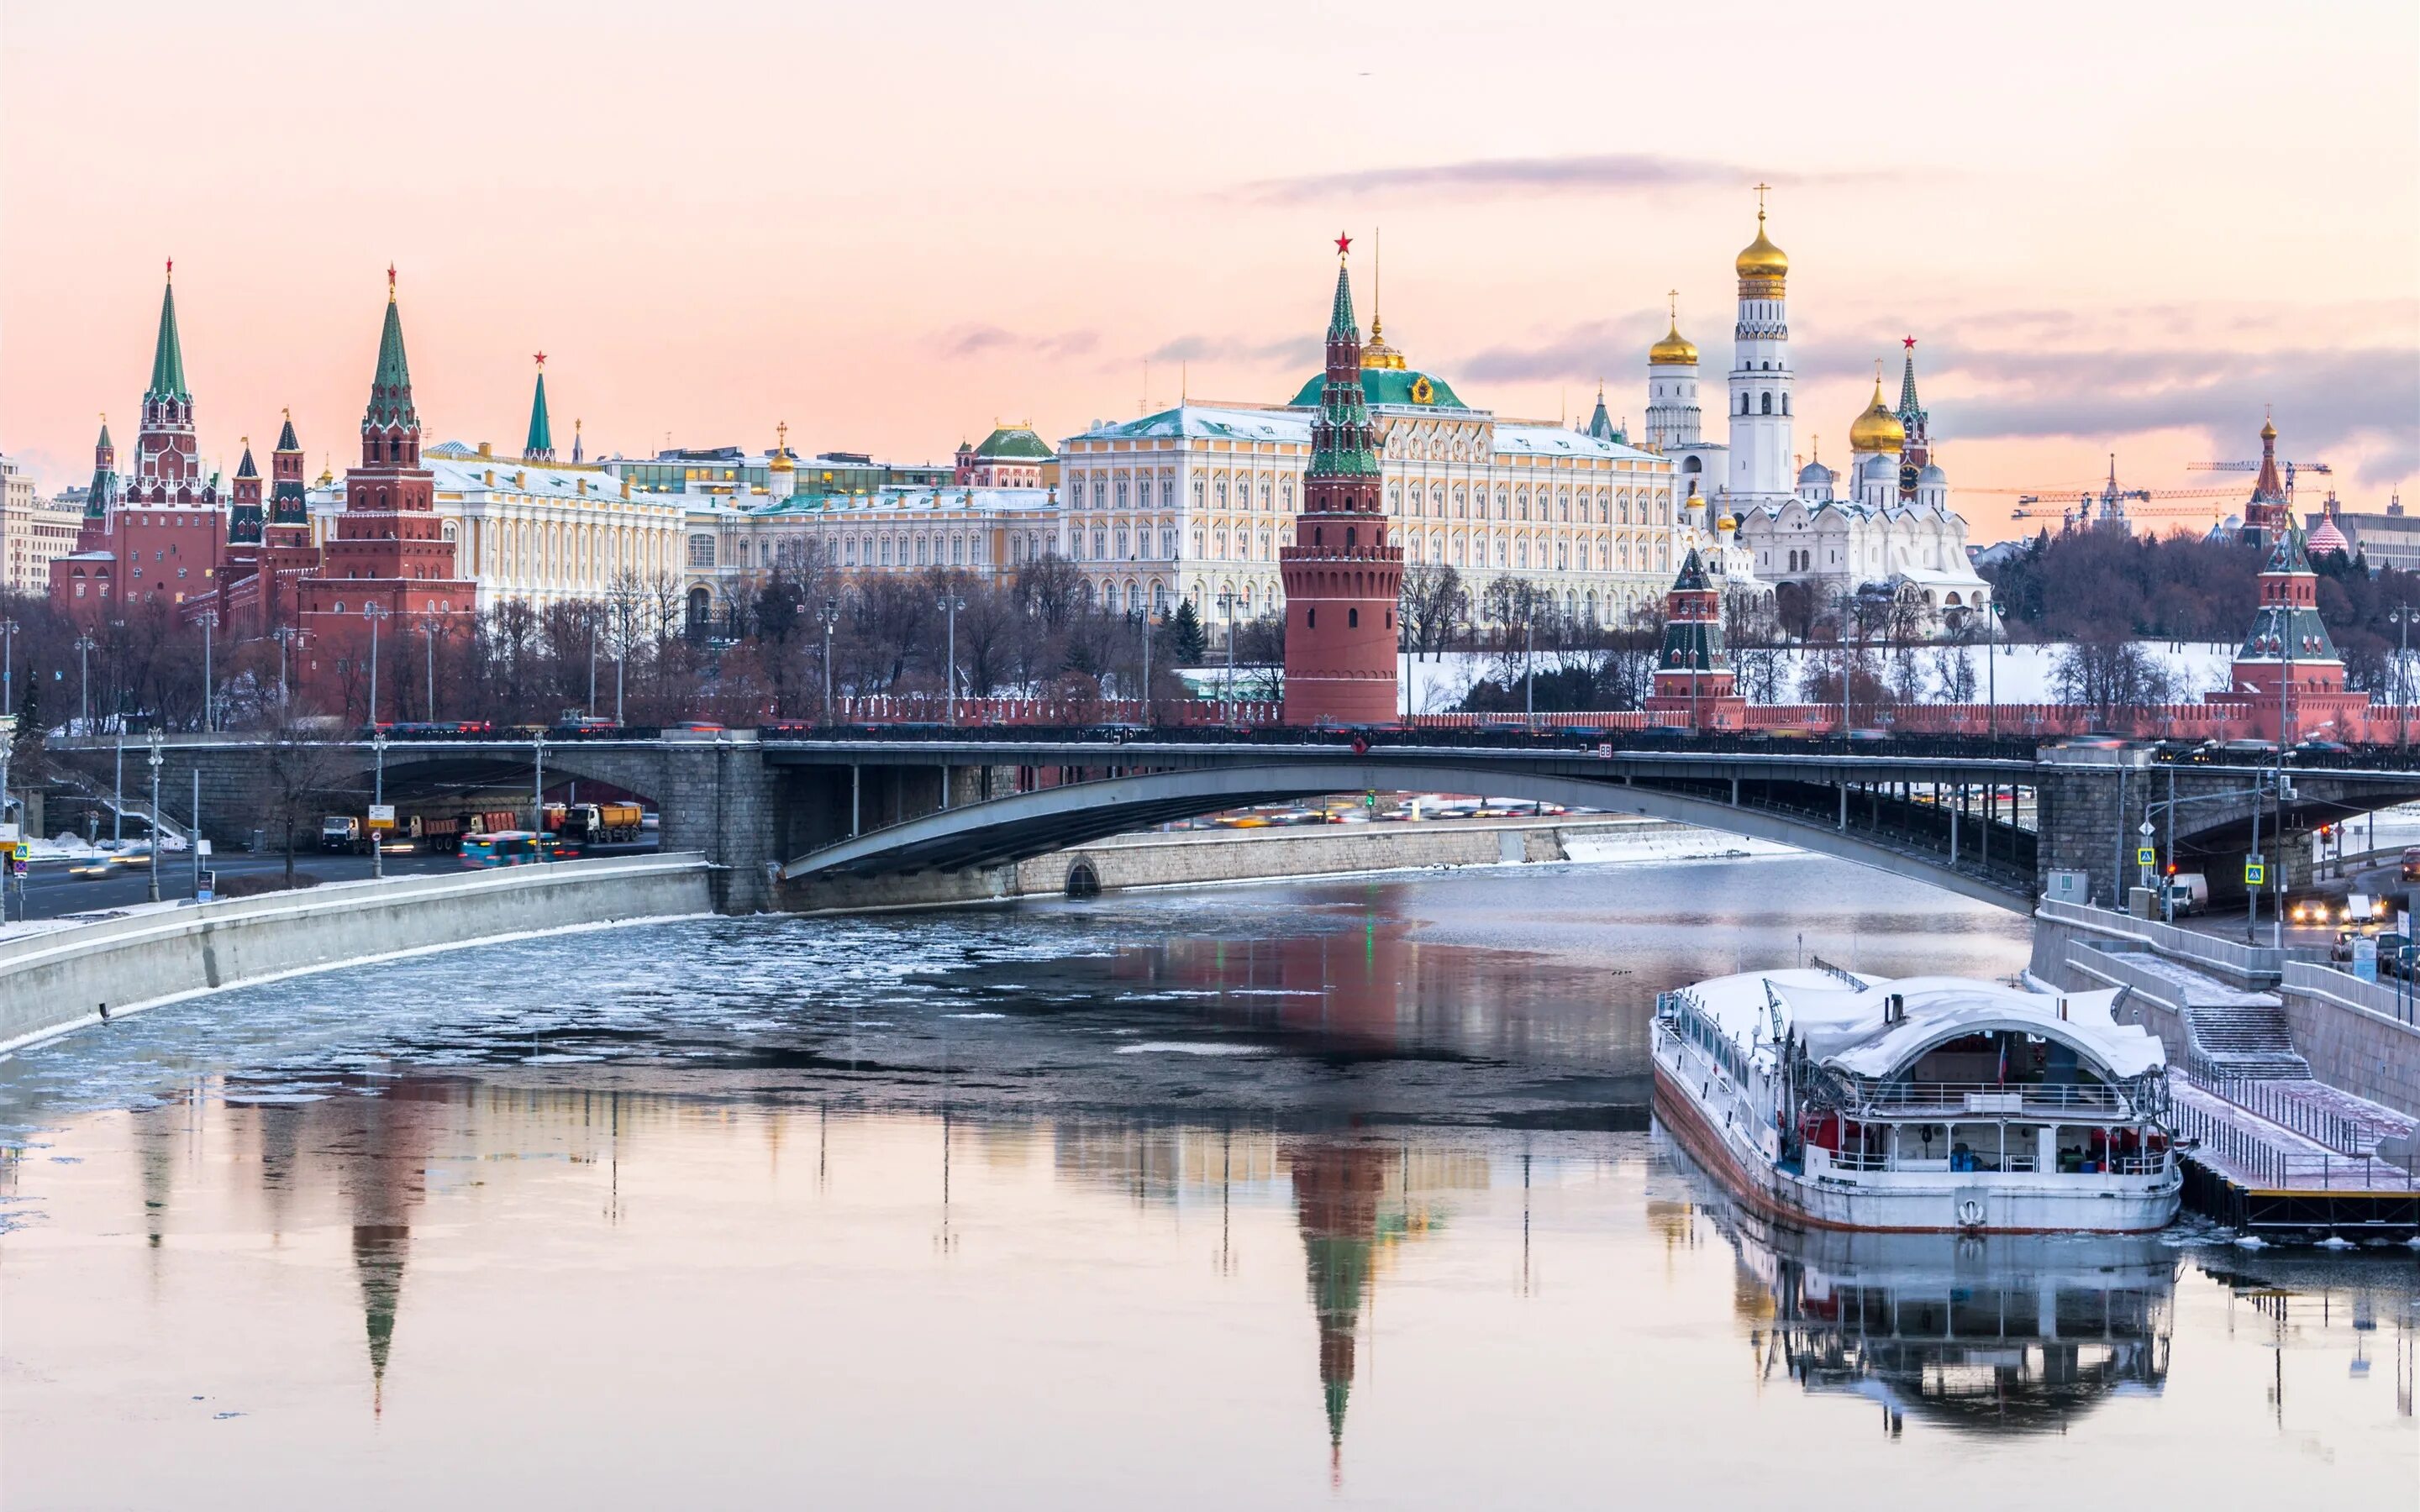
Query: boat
[1927,1104]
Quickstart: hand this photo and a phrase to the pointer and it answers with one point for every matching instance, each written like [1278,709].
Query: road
[51,891]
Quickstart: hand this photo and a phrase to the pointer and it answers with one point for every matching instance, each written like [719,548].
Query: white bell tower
[1760,403]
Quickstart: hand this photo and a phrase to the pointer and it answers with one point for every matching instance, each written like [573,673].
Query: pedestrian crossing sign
[2255,871]
[2145,856]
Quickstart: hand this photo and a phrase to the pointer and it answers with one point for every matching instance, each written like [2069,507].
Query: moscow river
[1325,1194]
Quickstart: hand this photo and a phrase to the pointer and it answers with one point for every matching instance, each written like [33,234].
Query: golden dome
[782,462]
[1726,523]
[1674,348]
[1763,263]
[2268,430]
[1377,353]
[1877,429]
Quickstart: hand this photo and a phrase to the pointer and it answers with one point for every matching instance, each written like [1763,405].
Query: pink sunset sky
[2122,227]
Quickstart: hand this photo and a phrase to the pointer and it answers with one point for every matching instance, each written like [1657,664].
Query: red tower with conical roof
[389,554]
[1342,576]
[2267,512]
[1694,685]
[287,554]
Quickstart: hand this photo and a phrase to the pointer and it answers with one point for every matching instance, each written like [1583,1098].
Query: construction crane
[2292,468]
[2106,505]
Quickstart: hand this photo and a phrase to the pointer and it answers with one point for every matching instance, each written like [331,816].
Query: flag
[2004,1060]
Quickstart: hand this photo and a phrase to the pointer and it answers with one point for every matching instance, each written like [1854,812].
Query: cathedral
[1801,533]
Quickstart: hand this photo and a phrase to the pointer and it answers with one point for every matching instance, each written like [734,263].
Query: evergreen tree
[1188,645]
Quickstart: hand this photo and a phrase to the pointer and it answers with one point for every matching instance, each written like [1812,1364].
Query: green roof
[1014,443]
[167,354]
[1388,385]
[391,386]
[541,433]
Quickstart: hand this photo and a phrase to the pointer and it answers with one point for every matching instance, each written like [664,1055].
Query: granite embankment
[56,979]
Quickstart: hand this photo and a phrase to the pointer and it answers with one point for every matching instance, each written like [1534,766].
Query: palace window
[701,550]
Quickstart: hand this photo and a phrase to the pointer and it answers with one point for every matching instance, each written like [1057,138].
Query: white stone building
[33,531]
[1195,501]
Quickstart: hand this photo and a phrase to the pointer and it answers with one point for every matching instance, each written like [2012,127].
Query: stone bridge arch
[1001,831]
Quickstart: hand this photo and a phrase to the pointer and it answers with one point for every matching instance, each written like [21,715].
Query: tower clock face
[1907,476]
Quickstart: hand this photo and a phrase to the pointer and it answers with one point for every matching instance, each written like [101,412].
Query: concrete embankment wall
[1210,856]
[2350,1031]
[2355,1035]
[56,980]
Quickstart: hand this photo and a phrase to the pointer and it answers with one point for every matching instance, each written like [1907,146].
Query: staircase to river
[2247,1040]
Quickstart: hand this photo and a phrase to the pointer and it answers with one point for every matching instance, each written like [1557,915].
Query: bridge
[797,817]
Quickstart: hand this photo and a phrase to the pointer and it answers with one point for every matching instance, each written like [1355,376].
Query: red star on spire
[1908,341]
[541,359]
[1344,243]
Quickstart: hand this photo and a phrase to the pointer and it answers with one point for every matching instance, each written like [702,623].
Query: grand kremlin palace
[1195,501]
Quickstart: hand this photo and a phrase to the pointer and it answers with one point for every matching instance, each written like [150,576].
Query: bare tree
[1429,608]
[299,775]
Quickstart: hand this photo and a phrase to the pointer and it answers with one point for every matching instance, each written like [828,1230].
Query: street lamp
[950,605]
[155,816]
[429,626]
[829,617]
[377,799]
[8,667]
[592,662]
[84,648]
[2402,619]
[1227,608]
[285,635]
[1991,665]
[210,619]
[374,612]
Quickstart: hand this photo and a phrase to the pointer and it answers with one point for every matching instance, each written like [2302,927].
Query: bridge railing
[977,713]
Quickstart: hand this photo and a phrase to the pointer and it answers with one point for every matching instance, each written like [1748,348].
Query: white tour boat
[1925,1105]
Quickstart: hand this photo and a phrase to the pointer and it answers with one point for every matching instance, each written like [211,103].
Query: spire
[104,477]
[285,441]
[1601,423]
[168,353]
[575,439]
[391,385]
[1909,410]
[244,469]
[541,446]
[2269,485]
[1343,443]
[104,444]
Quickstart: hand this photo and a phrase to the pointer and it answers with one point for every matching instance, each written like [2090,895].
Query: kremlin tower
[2287,675]
[1916,423]
[539,446]
[243,524]
[388,549]
[1342,576]
[1762,461]
[287,553]
[1694,685]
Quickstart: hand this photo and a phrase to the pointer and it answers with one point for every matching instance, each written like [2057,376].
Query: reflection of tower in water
[382,1164]
[1354,1201]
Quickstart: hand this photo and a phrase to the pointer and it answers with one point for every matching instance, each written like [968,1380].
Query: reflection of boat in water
[1926,1105]
[1992,1333]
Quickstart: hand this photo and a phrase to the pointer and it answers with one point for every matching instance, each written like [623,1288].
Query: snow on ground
[2015,675]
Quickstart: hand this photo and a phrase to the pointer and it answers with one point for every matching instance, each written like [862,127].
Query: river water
[1336,1194]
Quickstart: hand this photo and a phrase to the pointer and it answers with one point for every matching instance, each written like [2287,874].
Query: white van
[2188,893]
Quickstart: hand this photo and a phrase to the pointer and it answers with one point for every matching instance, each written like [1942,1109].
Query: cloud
[1291,351]
[1579,354]
[977,341]
[1590,173]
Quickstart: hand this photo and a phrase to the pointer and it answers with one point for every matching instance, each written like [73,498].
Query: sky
[2111,227]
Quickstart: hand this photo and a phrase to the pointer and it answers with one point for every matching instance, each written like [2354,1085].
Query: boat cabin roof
[1845,1026]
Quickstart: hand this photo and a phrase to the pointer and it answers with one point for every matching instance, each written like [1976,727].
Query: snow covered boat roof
[1846,1026]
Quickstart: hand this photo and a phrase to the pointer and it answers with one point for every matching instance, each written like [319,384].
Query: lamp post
[210,684]
[950,605]
[374,612]
[1991,665]
[8,667]
[592,665]
[428,628]
[1227,688]
[829,617]
[83,647]
[155,817]
[2402,619]
[1529,669]
[378,797]
[284,636]
[1144,613]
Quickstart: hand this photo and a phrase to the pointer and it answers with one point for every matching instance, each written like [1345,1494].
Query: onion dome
[1877,429]
[1675,350]
[1761,266]
[780,462]
[2327,539]
[2268,430]
[1728,523]
[1814,472]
